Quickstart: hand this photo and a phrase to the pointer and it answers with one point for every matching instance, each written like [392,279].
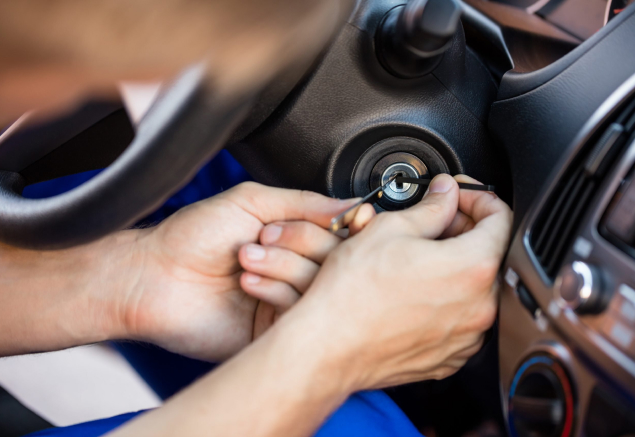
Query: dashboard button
[619,334]
[579,287]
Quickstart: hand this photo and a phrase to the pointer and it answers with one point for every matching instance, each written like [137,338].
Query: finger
[278,264]
[476,204]
[460,224]
[462,221]
[430,217]
[364,215]
[492,218]
[278,294]
[270,204]
[263,319]
[304,238]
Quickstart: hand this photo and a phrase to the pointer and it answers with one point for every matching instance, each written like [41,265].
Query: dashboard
[566,348]
[568,366]
[539,32]
[579,18]
[567,318]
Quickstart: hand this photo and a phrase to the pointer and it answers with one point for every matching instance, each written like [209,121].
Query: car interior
[535,97]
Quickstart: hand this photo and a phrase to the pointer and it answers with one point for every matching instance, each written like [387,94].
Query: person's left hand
[186,294]
[293,252]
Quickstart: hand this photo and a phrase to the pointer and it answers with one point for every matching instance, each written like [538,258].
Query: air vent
[556,226]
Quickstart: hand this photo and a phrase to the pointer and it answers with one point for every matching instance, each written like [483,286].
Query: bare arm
[67,299]
[282,385]
[56,300]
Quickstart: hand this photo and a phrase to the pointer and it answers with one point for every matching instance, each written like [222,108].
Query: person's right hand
[393,305]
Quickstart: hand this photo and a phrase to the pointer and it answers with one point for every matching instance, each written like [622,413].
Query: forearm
[281,385]
[52,300]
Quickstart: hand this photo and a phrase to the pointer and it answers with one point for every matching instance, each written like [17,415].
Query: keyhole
[399,185]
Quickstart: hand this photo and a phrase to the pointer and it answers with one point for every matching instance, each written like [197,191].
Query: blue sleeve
[365,414]
[368,414]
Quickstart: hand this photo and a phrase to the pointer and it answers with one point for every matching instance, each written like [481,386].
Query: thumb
[437,209]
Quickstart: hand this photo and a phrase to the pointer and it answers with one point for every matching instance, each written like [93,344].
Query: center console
[567,356]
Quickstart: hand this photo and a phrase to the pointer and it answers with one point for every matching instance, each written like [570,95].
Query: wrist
[306,336]
[293,384]
[117,263]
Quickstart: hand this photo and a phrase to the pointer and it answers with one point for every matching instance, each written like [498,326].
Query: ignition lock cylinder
[399,191]
[398,195]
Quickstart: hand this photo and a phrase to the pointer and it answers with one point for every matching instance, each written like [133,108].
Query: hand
[186,295]
[387,306]
[394,305]
[289,257]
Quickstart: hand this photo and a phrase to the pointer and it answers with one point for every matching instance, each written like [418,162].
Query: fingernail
[255,252]
[271,234]
[252,279]
[440,185]
[350,201]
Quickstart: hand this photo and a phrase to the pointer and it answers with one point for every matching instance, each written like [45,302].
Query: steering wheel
[190,123]
[186,126]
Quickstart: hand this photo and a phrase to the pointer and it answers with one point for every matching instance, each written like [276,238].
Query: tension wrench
[462,185]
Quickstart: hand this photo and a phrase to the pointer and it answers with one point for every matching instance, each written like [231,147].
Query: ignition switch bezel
[368,171]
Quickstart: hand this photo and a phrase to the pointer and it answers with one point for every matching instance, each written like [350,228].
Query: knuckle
[310,196]
[305,238]
[248,187]
[480,319]
[273,261]
[284,260]
[295,234]
[484,271]
[484,319]
[435,209]
[248,192]
[444,372]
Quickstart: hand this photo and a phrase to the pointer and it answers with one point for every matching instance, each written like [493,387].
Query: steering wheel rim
[186,126]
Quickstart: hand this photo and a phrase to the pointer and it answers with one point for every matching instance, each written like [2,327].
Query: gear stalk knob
[411,39]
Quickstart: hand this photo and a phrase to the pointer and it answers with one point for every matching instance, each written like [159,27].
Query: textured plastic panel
[536,128]
[350,102]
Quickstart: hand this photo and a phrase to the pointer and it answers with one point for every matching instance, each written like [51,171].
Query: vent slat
[544,230]
[566,237]
[564,216]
